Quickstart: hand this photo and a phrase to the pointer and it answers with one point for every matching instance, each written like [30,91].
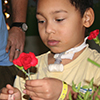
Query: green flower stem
[29,74]
[22,69]
[19,67]
[25,72]
[97,41]
[93,62]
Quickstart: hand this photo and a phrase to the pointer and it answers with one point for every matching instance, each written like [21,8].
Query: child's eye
[59,20]
[41,21]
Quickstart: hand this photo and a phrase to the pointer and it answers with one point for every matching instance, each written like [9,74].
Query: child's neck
[57,61]
[70,54]
[51,58]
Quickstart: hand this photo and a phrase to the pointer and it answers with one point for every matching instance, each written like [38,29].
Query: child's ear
[88,17]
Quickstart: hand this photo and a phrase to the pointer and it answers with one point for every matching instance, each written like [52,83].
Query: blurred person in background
[12,42]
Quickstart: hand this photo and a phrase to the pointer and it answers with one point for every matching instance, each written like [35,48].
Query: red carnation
[93,34]
[26,60]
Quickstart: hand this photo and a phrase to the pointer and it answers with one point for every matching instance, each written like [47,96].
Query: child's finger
[11,97]
[8,86]
[36,82]
[4,90]
[11,89]
[3,96]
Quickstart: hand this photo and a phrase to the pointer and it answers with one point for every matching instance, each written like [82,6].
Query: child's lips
[53,42]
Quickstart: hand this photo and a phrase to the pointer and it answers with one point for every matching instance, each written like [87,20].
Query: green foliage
[87,95]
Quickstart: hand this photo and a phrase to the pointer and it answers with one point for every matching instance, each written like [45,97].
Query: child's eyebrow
[54,12]
[60,11]
[39,14]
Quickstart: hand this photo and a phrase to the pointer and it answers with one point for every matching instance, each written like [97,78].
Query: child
[62,25]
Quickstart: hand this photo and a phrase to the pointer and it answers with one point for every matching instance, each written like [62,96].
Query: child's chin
[56,51]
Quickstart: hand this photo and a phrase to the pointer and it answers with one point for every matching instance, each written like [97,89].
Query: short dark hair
[82,5]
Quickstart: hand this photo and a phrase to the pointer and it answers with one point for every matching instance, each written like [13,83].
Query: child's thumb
[10,89]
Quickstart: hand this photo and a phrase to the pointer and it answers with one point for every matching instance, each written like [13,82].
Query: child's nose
[49,28]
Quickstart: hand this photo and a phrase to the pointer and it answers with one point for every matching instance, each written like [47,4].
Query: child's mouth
[52,42]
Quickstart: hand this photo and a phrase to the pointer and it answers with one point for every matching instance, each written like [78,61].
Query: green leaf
[70,96]
[93,62]
[99,87]
[74,89]
[91,83]
[95,89]
[85,87]
[96,40]
[22,69]
[80,98]
[98,92]
[73,83]
[19,67]
[79,86]
[81,95]
[87,94]
[96,98]
[92,95]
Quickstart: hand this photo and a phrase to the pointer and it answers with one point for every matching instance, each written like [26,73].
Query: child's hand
[8,92]
[43,89]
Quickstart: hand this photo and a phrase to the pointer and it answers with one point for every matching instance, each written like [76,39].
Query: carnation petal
[34,62]
[17,62]
[32,54]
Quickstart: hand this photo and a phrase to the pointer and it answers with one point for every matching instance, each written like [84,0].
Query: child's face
[60,25]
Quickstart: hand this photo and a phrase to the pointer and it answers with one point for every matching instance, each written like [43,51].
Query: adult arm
[16,36]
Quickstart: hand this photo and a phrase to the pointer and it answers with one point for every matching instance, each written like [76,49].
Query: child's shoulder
[94,55]
[94,52]
[43,55]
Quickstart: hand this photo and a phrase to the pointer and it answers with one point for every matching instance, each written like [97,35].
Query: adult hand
[43,89]
[16,41]
[9,90]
